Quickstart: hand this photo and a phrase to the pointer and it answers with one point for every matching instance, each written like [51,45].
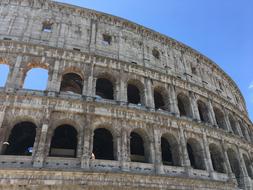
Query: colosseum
[125,107]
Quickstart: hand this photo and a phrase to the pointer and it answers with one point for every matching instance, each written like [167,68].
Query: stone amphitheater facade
[124,108]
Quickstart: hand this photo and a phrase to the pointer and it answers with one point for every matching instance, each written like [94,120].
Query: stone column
[211,113]
[229,128]
[122,89]
[208,160]
[149,94]
[227,163]
[194,106]
[87,148]
[89,90]
[173,101]
[40,154]
[158,154]
[54,83]
[93,34]
[183,146]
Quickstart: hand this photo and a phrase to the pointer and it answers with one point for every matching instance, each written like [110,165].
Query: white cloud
[251,85]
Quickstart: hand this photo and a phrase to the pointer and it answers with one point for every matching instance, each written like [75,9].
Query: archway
[217,158]
[160,99]
[21,139]
[233,125]
[72,82]
[104,88]
[133,94]
[103,144]
[41,76]
[220,118]
[184,105]
[64,142]
[137,149]
[203,111]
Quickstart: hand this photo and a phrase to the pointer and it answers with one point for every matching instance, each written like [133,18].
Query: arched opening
[159,100]
[21,139]
[137,148]
[4,71]
[203,111]
[64,142]
[41,76]
[72,82]
[170,151]
[220,119]
[217,158]
[248,165]
[195,154]
[184,105]
[104,88]
[235,165]
[103,144]
[233,125]
[133,94]
[244,130]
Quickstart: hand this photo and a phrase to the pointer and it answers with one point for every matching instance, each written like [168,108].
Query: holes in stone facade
[41,76]
[217,158]
[184,105]
[156,53]
[160,99]
[220,118]
[170,151]
[104,88]
[195,154]
[103,144]
[135,93]
[72,82]
[64,142]
[235,165]
[203,111]
[244,130]
[107,39]
[47,26]
[137,148]
[248,165]
[194,70]
[21,139]
[4,71]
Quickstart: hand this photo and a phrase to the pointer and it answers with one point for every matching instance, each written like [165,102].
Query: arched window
[72,82]
[184,105]
[137,148]
[103,144]
[217,158]
[235,165]
[40,76]
[248,165]
[64,142]
[220,119]
[244,130]
[170,151]
[195,154]
[160,99]
[233,125]
[104,88]
[21,139]
[135,92]
[4,71]
[203,111]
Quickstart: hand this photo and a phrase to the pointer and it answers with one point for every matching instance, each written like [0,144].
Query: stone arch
[106,86]
[161,99]
[4,72]
[64,141]
[170,150]
[196,154]
[184,105]
[243,129]
[220,118]
[39,73]
[103,144]
[203,111]
[235,165]
[233,124]
[71,82]
[248,165]
[135,92]
[139,146]
[21,139]
[217,158]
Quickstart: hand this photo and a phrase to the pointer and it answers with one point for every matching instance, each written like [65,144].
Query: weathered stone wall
[75,44]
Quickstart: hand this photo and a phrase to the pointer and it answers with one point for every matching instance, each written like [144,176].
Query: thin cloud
[251,85]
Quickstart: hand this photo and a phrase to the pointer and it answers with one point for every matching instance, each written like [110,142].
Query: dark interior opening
[235,166]
[104,88]
[137,148]
[64,142]
[133,94]
[219,116]
[233,125]
[203,112]
[217,159]
[166,152]
[103,144]
[159,101]
[72,82]
[181,107]
[21,139]
[191,156]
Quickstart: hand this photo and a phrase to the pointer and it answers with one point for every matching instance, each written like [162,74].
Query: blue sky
[220,29]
